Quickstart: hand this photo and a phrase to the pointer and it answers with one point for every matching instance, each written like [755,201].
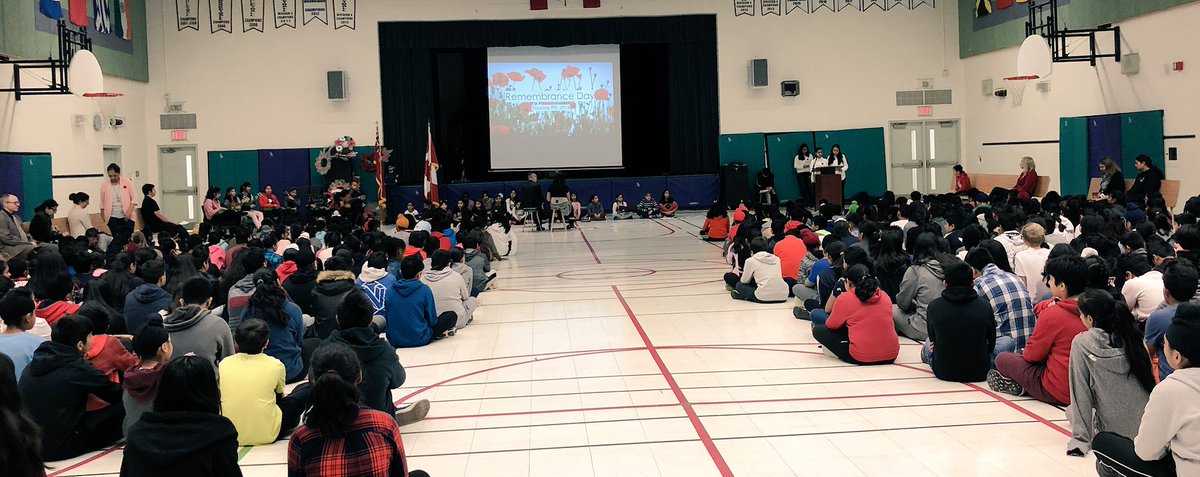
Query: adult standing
[531,199]
[837,160]
[117,206]
[803,163]
[14,242]
[1148,181]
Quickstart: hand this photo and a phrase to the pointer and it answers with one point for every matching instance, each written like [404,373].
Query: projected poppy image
[561,99]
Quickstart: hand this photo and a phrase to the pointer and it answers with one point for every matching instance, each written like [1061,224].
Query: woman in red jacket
[1043,370]
[267,201]
[962,182]
[1027,181]
[860,328]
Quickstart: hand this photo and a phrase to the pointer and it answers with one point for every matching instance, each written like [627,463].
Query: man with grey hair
[14,242]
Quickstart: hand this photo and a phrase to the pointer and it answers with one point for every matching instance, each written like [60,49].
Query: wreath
[323,163]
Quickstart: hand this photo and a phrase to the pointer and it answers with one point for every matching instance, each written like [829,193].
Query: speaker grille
[938,96]
[337,84]
[910,98]
[758,72]
[177,121]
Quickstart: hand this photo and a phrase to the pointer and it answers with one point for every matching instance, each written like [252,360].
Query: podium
[828,185]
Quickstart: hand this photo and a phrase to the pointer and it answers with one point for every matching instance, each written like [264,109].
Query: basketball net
[1016,87]
[108,107]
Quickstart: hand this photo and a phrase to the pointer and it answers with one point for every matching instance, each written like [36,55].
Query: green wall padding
[37,175]
[744,148]
[231,168]
[781,150]
[1142,133]
[864,150]
[1073,156]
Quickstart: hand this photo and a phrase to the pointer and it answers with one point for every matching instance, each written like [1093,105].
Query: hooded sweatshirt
[52,311]
[194,329]
[299,287]
[1104,396]
[764,269]
[375,283]
[238,299]
[411,314]
[450,293]
[869,325]
[468,273]
[55,388]
[502,240]
[141,387]
[922,283]
[963,332]
[285,271]
[1057,324]
[380,367]
[1171,422]
[181,444]
[332,287]
[110,357]
[479,266]
[142,303]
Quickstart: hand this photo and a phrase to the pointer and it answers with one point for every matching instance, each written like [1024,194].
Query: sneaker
[728,287]
[801,314]
[413,412]
[1001,384]
[735,295]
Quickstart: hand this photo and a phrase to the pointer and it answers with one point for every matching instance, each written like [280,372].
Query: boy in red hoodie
[1043,370]
[57,302]
[107,353]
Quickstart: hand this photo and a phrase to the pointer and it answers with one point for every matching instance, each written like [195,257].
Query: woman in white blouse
[803,164]
[77,218]
[835,159]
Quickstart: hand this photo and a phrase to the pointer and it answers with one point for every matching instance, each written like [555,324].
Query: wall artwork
[773,7]
[285,13]
[220,14]
[316,10]
[187,14]
[252,15]
[343,14]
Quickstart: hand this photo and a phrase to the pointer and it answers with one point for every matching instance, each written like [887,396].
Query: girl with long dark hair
[891,262]
[271,304]
[340,436]
[1111,374]
[860,329]
[20,446]
[803,163]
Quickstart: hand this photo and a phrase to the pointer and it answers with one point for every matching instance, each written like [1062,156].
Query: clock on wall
[97,123]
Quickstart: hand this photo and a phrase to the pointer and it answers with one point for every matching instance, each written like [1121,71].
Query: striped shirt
[1010,302]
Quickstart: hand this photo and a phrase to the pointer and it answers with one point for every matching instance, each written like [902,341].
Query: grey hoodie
[196,330]
[922,283]
[479,266]
[450,293]
[465,270]
[1172,420]
[764,269]
[1104,396]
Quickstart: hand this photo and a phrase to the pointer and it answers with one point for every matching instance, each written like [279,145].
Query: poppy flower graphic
[525,107]
[516,77]
[533,117]
[499,80]
[536,74]
[571,72]
[501,129]
[602,95]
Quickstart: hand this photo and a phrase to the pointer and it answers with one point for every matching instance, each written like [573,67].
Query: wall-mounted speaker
[336,85]
[758,73]
[789,88]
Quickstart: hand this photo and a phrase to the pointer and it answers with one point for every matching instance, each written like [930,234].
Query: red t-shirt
[717,228]
[962,183]
[872,333]
[1057,324]
[791,251]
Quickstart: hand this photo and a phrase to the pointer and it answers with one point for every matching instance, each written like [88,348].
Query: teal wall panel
[37,175]
[1142,133]
[781,150]
[1073,156]
[232,168]
[864,150]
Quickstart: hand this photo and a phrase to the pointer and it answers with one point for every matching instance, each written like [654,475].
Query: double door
[923,156]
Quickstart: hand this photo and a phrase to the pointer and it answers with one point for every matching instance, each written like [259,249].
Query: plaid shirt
[371,447]
[1010,302]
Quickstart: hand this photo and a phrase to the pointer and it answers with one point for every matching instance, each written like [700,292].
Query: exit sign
[924,110]
[178,135]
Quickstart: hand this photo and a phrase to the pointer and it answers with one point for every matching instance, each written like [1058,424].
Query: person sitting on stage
[648,208]
[667,205]
[620,209]
[531,200]
[860,328]
[716,224]
[962,181]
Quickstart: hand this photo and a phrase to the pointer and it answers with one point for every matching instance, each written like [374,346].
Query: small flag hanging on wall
[536,5]
[53,9]
[77,10]
[103,15]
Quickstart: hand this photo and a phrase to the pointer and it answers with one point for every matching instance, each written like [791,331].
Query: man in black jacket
[381,370]
[962,329]
[532,199]
[55,387]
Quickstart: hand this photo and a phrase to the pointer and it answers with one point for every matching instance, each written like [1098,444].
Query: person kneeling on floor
[762,279]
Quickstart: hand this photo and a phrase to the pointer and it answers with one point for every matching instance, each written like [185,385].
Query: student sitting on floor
[340,436]
[56,386]
[922,283]
[1111,374]
[1180,279]
[153,346]
[374,280]
[333,284]
[648,208]
[271,304]
[57,303]
[761,280]
[185,435]
[450,293]
[17,342]
[412,318]
[824,275]
[1168,438]
[716,224]
[195,329]
[106,352]
[1042,370]
[595,210]
[667,206]
[791,252]
[381,367]
[621,209]
[962,330]
[480,267]
[1008,298]
[860,329]
[21,457]
[252,389]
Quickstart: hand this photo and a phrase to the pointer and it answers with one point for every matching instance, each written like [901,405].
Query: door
[178,195]
[924,154]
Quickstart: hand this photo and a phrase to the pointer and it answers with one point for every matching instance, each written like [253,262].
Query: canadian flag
[431,168]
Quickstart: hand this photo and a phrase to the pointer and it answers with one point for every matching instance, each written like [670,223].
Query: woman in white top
[803,163]
[837,159]
[77,219]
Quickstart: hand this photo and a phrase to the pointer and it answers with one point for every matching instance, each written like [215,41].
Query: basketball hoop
[1016,87]
[106,106]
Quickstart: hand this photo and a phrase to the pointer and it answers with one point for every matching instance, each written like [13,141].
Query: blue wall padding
[633,188]
[283,169]
[11,181]
[1104,140]
[695,192]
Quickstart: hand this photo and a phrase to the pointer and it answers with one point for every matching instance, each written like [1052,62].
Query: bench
[986,182]
[1169,190]
[97,223]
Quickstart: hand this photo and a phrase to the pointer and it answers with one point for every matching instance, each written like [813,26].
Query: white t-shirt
[117,211]
[1030,263]
[1144,294]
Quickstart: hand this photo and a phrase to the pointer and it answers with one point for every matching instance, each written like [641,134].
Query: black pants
[732,279]
[445,322]
[838,342]
[1114,453]
[121,229]
[97,430]
[804,180]
[292,406]
[306,351]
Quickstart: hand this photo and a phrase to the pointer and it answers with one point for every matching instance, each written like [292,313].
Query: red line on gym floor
[535,355]
[85,461]
[1011,404]
[665,226]
[705,438]
[589,245]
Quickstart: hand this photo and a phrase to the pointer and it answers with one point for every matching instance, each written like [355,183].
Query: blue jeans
[819,316]
[927,352]
[1004,343]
